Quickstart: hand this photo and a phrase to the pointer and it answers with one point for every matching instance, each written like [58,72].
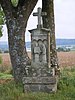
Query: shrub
[63,49]
[6,51]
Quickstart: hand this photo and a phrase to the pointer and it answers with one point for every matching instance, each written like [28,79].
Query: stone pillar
[40,79]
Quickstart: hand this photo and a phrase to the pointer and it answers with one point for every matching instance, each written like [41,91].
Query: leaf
[14,2]
[2,20]
[1,31]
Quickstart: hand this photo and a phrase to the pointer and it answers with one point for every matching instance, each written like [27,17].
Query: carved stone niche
[39,46]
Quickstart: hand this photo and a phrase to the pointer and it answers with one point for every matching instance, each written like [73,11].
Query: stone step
[40,88]
[40,84]
[39,80]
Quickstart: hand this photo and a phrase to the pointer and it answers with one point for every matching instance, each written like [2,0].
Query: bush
[63,49]
[6,51]
[60,49]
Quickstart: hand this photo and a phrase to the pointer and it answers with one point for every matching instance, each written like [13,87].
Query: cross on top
[39,14]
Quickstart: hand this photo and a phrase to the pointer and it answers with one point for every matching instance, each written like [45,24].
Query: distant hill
[4,45]
[65,41]
[59,42]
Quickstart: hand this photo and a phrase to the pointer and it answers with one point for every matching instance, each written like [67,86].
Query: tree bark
[48,22]
[16,21]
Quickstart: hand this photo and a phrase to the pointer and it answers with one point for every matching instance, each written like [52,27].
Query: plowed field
[65,59]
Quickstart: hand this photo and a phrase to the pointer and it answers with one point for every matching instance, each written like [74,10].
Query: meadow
[9,90]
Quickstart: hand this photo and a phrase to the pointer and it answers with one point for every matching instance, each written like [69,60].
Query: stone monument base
[40,84]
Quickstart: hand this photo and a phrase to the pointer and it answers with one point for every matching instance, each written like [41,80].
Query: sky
[64,11]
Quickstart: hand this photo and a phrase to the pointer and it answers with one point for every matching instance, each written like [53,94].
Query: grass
[5,76]
[66,89]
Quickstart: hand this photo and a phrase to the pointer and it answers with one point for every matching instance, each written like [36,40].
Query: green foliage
[14,2]
[0,60]
[6,51]
[10,91]
[66,89]
[5,76]
[63,49]
[2,16]
[2,20]
[0,31]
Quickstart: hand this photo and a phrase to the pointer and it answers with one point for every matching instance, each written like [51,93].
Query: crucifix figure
[39,13]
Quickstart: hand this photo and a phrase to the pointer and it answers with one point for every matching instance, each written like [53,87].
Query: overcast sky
[64,20]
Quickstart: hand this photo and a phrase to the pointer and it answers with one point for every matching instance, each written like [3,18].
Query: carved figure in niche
[33,44]
[43,51]
[45,43]
[37,52]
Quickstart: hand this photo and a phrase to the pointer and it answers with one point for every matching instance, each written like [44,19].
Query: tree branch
[24,7]
[7,6]
[21,2]
[28,6]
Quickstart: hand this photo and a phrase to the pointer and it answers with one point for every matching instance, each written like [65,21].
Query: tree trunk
[17,48]
[16,21]
[48,22]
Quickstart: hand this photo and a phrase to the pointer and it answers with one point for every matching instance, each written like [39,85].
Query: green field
[66,89]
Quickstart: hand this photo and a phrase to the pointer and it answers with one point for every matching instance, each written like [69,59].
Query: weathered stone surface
[40,77]
[39,80]
[40,88]
[40,84]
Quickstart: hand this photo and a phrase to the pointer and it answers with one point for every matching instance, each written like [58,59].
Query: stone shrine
[39,75]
